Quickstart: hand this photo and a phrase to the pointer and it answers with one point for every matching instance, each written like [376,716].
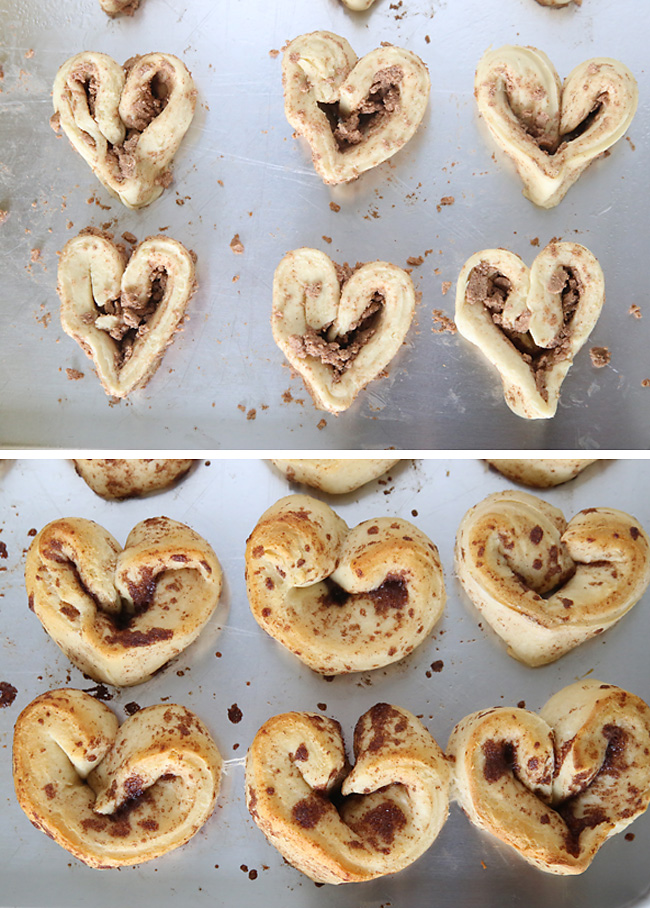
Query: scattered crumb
[442,323]
[645,383]
[534,241]
[328,239]
[29,53]
[632,145]
[235,278]
[36,255]
[74,374]
[287,396]
[4,215]
[252,413]
[600,356]
[446,287]
[444,201]
[129,238]
[236,245]
[415,260]
[334,206]
[322,424]
[274,53]
[427,39]
[634,310]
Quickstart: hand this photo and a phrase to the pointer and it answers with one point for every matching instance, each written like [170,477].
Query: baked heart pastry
[557,785]
[337,477]
[126,122]
[530,324]
[339,328]
[389,808]
[552,131]
[118,479]
[124,314]
[358,5]
[545,585]
[558,3]
[121,614]
[354,113]
[541,473]
[119,7]
[112,795]
[342,600]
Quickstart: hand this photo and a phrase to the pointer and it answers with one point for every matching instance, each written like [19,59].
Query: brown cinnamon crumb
[36,255]
[534,241]
[634,310]
[645,383]
[252,413]
[274,53]
[600,356]
[322,424]
[328,239]
[415,260]
[442,323]
[74,374]
[129,238]
[445,287]
[334,206]
[55,121]
[444,201]
[4,215]
[236,245]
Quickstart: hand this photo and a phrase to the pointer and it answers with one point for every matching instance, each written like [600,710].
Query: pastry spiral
[541,473]
[112,795]
[124,315]
[557,785]
[545,585]
[118,479]
[337,477]
[120,614]
[127,122]
[530,324]
[339,331]
[342,600]
[394,801]
[553,132]
[354,113]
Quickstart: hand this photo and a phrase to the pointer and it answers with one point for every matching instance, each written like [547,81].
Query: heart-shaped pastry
[117,479]
[336,477]
[339,328]
[354,113]
[553,132]
[530,324]
[541,473]
[557,785]
[124,315]
[545,585]
[342,600]
[358,5]
[121,614]
[389,808]
[112,795]
[119,7]
[126,122]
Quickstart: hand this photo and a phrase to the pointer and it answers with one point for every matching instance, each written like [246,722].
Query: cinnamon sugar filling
[382,100]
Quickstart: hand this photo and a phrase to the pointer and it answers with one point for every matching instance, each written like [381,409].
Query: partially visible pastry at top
[558,3]
[118,479]
[335,476]
[552,131]
[127,122]
[540,473]
[354,113]
[358,5]
[122,7]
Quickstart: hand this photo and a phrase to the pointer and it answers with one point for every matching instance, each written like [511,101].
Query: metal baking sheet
[224,383]
[230,862]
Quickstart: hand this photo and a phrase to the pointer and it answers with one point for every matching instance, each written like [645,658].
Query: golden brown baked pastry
[112,795]
[545,585]
[530,324]
[557,785]
[118,479]
[342,600]
[339,328]
[124,315]
[354,113]
[541,473]
[119,7]
[358,5]
[121,614]
[126,122]
[335,476]
[394,801]
[552,131]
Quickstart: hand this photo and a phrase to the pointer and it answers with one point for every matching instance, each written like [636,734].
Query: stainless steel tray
[235,662]
[224,383]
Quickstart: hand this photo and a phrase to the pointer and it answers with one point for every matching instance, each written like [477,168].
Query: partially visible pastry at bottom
[541,473]
[118,479]
[336,476]
[389,808]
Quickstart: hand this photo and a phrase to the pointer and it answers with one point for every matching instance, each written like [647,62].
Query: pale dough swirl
[557,785]
[530,324]
[339,331]
[395,799]
[124,314]
[541,473]
[120,614]
[335,476]
[116,479]
[542,584]
[127,125]
[553,132]
[353,113]
[358,5]
[342,600]
[110,795]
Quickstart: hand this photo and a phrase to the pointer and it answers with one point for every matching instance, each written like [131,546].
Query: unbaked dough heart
[339,337]
[530,326]
[553,132]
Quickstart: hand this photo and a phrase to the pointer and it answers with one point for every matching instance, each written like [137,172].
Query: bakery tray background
[223,501]
[224,383]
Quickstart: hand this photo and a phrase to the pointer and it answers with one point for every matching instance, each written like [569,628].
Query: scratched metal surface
[240,171]
[463,867]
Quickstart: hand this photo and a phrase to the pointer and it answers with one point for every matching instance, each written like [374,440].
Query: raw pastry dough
[553,132]
[337,477]
[354,113]
[126,122]
[342,600]
[339,330]
[555,786]
[124,315]
[545,586]
[530,324]
[120,615]
[395,799]
[540,473]
[122,7]
[112,795]
[119,479]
